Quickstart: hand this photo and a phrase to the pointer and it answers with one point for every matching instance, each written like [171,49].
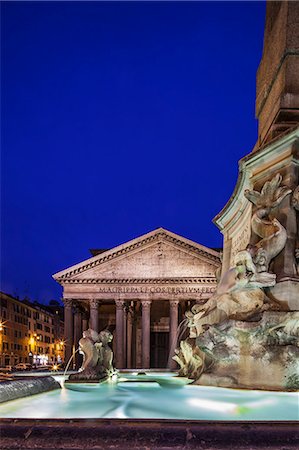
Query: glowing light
[2,322]
[214,405]
[55,367]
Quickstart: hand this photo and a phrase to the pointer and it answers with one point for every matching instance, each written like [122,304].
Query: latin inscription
[155,290]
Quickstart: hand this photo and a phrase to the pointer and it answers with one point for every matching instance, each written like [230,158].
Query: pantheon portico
[140,291]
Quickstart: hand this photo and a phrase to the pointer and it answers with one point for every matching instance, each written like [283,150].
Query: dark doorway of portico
[159,349]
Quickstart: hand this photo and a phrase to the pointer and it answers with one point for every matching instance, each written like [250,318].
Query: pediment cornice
[159,235]
[154,281]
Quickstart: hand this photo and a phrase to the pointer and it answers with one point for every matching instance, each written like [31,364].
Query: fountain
[97,358]
[243,336]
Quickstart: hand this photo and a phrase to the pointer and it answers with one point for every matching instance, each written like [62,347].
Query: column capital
[120,304]
[68,302]
[94,303]
[77,309]
[173,303]
[146,304]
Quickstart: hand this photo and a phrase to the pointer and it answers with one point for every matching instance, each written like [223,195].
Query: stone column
[173,327]
[146,332]
[94,315]
[77,335]
[129,336]
[68,328]
[119,319]
[84,321]
[125,337]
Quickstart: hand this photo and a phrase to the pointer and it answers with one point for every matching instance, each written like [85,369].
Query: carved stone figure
[190,359]
[264,225]
[295,199]
[238,296]
[105,352]
[261,354]
[229,329]
[97,357]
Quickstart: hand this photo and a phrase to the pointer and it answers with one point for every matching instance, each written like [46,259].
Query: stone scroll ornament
[240,295]
[97,357]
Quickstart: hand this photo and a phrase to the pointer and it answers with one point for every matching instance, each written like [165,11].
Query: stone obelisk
[275,154]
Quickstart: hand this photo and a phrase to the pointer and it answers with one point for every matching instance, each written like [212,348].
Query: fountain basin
[161,396]
[25,387]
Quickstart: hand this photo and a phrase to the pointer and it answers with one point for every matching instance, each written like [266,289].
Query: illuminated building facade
[29,332]
[140,291]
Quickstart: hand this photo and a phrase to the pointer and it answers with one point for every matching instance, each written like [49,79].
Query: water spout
[68,364]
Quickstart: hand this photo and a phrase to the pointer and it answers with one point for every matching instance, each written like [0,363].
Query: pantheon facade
[140,291]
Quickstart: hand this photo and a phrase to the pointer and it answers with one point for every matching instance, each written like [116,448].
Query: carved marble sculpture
[190,359]
[240,294]
[216,329]
[97,356]
[264,225]
[295,199]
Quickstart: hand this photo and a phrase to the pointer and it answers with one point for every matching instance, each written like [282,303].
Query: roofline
[121,247]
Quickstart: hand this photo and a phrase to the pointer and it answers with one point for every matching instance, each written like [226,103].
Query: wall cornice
[273,156]
[126,281]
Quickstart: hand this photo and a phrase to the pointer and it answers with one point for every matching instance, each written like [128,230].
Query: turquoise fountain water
[159,396]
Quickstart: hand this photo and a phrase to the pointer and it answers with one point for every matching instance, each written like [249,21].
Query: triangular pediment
[158,254]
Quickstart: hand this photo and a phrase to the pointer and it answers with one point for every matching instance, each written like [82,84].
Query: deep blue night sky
[118,118]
